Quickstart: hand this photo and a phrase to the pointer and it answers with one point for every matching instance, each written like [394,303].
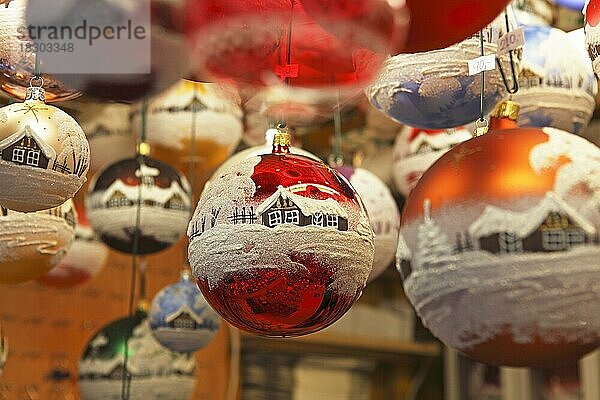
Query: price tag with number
[511,41]
[484,63]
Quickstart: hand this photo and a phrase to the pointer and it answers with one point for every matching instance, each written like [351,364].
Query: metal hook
[515,86]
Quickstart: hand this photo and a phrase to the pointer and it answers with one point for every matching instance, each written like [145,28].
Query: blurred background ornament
[17,63]
[417,149]
[499,245]
[592,32]
[31,244]
[383,212]
[180,317]
[208,116]
[3,350]
[258,43]
[568,15]
[112,205]
[554,90]
[280,244]
[109,132]
[434,90]
[533,12]
[82,262]
[167,52]
[155,371]
[44,154]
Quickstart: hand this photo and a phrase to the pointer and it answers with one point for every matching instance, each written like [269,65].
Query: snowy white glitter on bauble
[280,244]
[207,115]
[555,90]
[83,261]
[108,129]
[433,90]
[163,196]
[499,247]
[44,155]
[156,372]
[383,214]
[180,317]
[31,244]
[417,149]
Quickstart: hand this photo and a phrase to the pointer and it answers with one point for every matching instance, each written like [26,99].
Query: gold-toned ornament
[44,155]
[31,244]
[17,53]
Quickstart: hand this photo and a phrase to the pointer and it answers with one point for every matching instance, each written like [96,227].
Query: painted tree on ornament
[434,249]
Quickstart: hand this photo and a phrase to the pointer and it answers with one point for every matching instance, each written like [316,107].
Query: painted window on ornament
[575,237]
[33,158]
[318,219]
[510,243]
[553,239]
[275,218]
[18,155]
[147,180]
[184,322]
[292,217]
[332,221]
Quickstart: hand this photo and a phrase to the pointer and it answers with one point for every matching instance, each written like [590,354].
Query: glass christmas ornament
[108,129]
[499,246]
[266,43]
[165,200]
[82,262]
[434,25]
[44,155]
[554,90]
[212,111]
[383,214]
[167,52]
[181,319]
[374,24]
[280,244]
[17,63]
[31,244]
[417,149]
[434,90]
[591,12]
[155,371]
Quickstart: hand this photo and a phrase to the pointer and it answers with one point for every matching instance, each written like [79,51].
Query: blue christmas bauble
[557,86]
[181,319]
[433,90]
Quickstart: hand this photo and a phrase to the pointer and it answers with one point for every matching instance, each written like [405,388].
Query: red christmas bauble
[280,245]
[499,247]
[438,24]
[264,43]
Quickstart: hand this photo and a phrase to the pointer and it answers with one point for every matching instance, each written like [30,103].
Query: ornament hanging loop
[36,81]
[482,127]
[515,80]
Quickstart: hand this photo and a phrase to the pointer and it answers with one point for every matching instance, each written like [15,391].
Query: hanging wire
[338,158]
[482,95]
[125,375]
[515,86]
[36,70]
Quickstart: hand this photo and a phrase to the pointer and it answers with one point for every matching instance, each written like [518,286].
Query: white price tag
[511,41]
[484,63]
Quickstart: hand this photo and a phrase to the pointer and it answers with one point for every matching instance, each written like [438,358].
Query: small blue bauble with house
[181,319]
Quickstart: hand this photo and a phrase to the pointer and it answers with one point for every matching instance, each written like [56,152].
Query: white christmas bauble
[156,372]
[108,129]
[555,90]
[383,214]
[44,155]
[31,244]
[591,11]
[433,90]
[417,149]
[212,111]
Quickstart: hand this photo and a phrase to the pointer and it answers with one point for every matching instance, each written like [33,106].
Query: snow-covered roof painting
[28,132]
[496,220]
[307,205]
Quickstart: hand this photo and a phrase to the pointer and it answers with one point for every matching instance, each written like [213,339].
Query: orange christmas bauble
[499,247]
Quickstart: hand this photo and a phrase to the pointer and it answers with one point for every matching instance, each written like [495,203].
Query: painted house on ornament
[552,225]
[403,258]
[185,319]
[285,207]
[27,148]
